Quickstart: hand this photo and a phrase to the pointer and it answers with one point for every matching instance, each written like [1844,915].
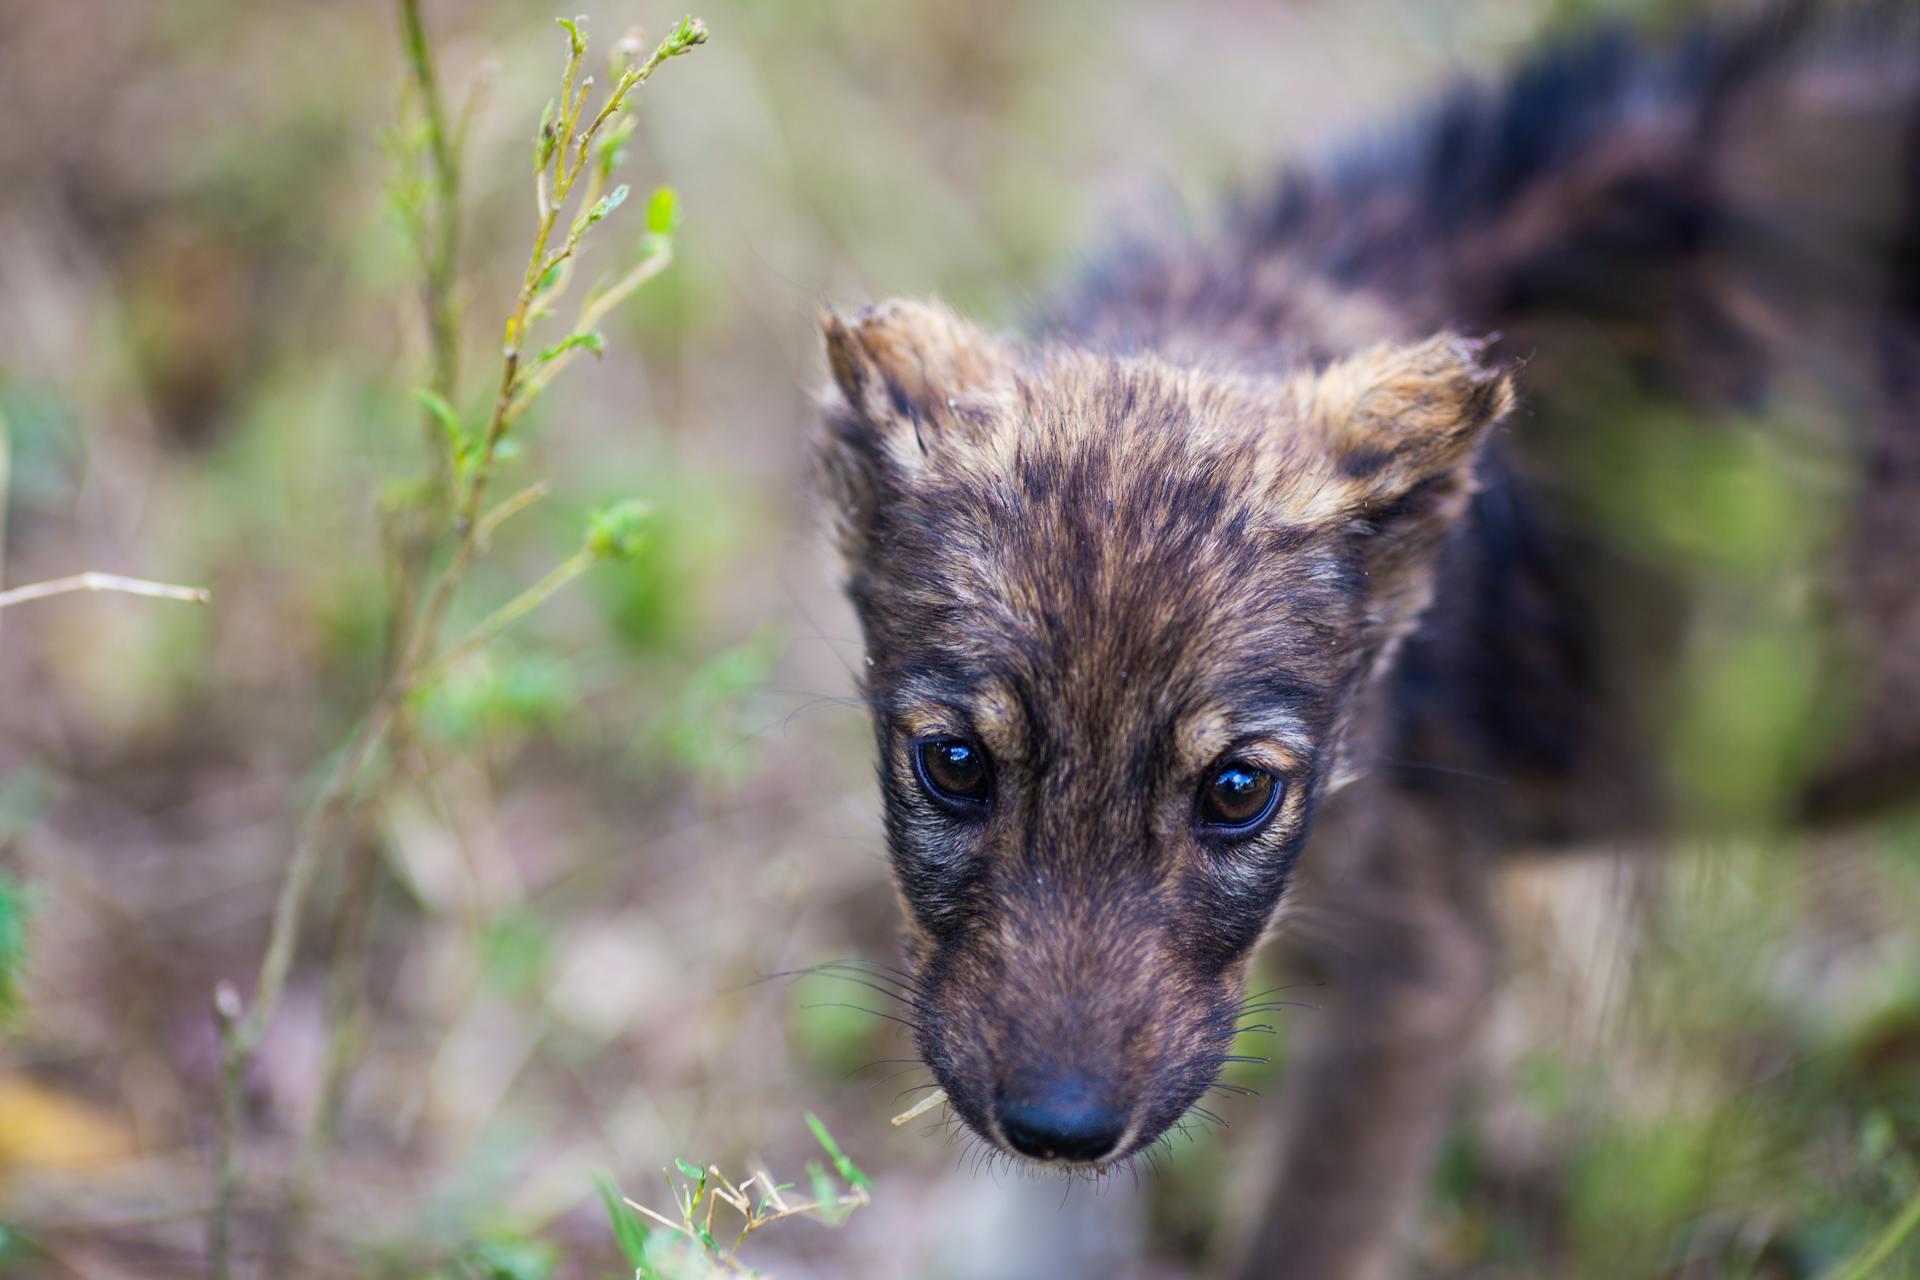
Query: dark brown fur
[1234,504]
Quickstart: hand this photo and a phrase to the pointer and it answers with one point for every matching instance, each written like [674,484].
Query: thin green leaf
[592,339]
[545,140]
[629,1228]
[444,413]
[607,204]
[612,147]
[767,1199]
[459,443]
[844,1166]
[13,941]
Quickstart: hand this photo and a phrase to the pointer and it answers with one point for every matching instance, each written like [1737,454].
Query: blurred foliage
[13,943]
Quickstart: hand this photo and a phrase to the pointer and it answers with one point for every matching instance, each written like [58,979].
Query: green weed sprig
[686,1247]
[574,156]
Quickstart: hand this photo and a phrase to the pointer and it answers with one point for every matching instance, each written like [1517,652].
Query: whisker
[882,1062]
[883,967]
[880,973]
[915,1088]
[1274,1006]
[1238,1090]
[832,1004]
[1423,766]
[1285,986]
[871,975]
[891,1076]
[874,970]
[862,982]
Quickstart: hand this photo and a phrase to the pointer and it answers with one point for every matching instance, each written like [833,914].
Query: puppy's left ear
[1398,428]
[1393,434]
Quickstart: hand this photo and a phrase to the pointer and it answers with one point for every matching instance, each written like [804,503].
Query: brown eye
[1237,797]
[954,771]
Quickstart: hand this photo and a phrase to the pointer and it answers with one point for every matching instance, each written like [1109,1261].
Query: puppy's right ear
[909,369]
[910,380]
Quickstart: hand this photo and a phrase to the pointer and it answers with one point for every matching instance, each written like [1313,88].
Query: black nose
[1062,1124]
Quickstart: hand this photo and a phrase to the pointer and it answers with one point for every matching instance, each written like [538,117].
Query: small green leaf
[613,144]
[825,1194]
[607,204]
[688,1168]
[663,211]
[616,533]
[459,443]
[576,42]
[548,278]
[629,1229]
[545,140]
[592,339]
[706,1238]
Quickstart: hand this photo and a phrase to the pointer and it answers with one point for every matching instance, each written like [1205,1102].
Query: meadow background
[542,952]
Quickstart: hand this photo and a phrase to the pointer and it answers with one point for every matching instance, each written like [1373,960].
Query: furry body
[1243,503]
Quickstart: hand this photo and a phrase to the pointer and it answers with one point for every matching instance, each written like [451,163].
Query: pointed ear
[902,364]
[907,376]
[1398,425]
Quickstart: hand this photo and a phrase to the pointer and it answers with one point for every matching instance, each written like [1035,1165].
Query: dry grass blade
[93,580]
[920,1108]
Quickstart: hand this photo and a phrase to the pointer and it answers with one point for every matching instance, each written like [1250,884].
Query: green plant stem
[345,1009]
[1866,1264]
[443,255]
[241,1032]
[509,613]
[508,509]
[6,478]
[591,313]
[411,536]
